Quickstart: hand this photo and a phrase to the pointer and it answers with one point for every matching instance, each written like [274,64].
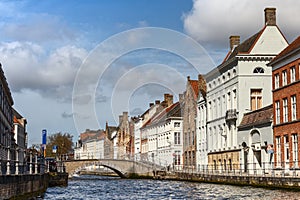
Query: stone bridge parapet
[124,168]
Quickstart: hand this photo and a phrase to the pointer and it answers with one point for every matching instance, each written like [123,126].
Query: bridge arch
[123,168]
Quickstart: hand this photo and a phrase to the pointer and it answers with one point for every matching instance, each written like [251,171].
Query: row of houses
[242,115]
[13,135]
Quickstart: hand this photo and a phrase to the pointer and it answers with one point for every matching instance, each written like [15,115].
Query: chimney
[151,104]
[168,98]
[157,102]
[202,84]
[234,41]
[125,115]
[270,16]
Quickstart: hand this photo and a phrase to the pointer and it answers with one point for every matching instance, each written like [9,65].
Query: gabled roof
[295,45]
[245,47]
[171,111]
[258,117]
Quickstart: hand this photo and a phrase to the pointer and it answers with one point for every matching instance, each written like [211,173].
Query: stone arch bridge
[124,168]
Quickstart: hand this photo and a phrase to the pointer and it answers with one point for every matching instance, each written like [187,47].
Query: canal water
[100,187]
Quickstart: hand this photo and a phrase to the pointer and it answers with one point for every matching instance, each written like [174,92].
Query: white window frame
[284,78]
[292,74]
[295,149]
[294,107]
[285,110]
[278,151]
[277,112]
[276,78]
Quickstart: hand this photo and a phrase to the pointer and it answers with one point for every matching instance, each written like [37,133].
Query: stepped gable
[260,116]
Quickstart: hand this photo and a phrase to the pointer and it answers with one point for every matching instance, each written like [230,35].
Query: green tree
[62,141]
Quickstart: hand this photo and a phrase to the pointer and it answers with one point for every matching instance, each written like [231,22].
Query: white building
[165,139]
[90,145]
[201,133]
[241,83]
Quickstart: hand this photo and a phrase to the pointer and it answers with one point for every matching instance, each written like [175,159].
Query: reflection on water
[100,187]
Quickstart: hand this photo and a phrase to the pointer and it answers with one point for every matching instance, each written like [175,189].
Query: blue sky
[45,43]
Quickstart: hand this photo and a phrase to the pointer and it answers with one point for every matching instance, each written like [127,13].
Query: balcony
[231,115]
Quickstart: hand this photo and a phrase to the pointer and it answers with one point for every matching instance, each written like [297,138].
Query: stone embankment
[267,181]
[23,186]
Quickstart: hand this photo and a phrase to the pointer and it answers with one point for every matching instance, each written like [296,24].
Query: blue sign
[44,137]
[54,149]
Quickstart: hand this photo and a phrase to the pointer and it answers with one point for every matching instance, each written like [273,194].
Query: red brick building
[286,106]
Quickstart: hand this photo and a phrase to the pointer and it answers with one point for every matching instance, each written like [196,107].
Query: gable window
[258,70]
[256,99]
[294,107]
[293,74]
[276,77]
[284,78]
[285,110]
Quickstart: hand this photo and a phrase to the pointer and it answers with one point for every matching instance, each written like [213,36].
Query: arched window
[258,70]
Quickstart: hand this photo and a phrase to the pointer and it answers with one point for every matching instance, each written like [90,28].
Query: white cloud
[211,22]
[29,66]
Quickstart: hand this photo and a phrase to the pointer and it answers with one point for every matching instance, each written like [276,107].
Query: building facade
[256,138]
[164,132]
[189,114]
[286,106]
[21,140]
[240,84]
[125,137]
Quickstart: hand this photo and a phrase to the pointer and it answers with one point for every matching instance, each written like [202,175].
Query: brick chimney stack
[270,16]
[234,41]
[168,98]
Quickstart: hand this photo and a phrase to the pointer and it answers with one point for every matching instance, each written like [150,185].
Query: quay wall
[25,186]
[274,182]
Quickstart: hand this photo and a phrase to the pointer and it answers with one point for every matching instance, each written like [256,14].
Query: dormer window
[258,70]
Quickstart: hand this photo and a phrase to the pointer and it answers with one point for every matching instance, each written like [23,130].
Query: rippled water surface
[99,187]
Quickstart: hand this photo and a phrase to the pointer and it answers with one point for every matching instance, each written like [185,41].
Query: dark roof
[257,117]
[295,45]
[246,46]
[173,110]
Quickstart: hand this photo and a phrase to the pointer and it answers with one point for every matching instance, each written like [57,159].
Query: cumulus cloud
[211,22]
[29,67]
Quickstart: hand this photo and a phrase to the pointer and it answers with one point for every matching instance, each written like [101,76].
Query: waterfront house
[241,83]
[256,138]
[164,132]
[286,106]
[21,141]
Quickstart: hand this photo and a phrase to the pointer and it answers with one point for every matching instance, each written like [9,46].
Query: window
[295,149]
[256,99]
[228,101]
[177,124]
[294,107]
[177,138]
[284,78]
[285,110]
[193,138]
[276,77]
[234,99]
[258,70]
[177,158]
[286,149]
[278,151]
[277,112]
[293,74]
